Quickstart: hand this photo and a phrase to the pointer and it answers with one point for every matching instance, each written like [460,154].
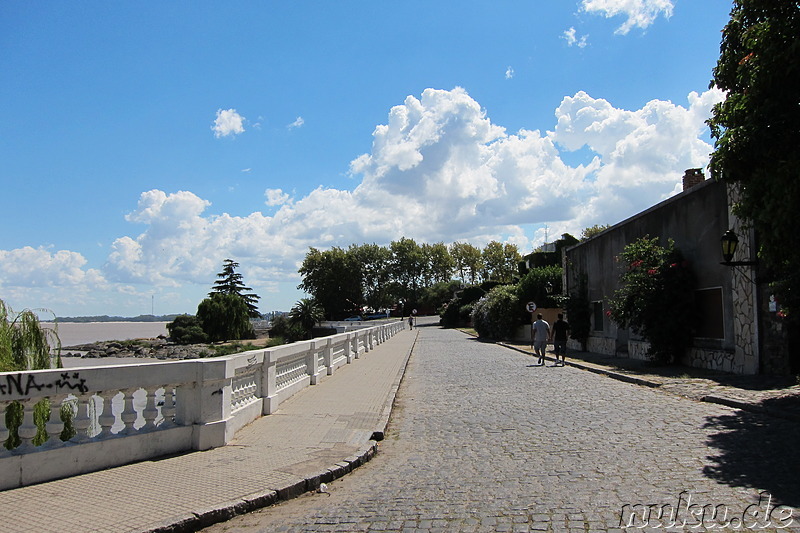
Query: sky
[143,143]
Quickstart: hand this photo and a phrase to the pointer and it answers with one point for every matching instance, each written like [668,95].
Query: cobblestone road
[480,440]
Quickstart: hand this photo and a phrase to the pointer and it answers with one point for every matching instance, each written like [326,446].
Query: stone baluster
[327,356]
[150,411]
[168,407]
[27,430]
[347,346]
[82,421]
[55,425]
[129,414]
[107,418]
[354,344]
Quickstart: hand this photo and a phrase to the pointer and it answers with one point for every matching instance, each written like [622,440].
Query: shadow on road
[756,452]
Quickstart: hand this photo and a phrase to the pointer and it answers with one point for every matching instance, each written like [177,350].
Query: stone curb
[610,373]
[387,408]
[202,518]
[709,398]
[745,406]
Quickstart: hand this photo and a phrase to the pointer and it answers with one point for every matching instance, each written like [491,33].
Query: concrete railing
[128,413]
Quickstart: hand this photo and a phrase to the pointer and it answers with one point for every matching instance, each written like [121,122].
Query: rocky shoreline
[159,348]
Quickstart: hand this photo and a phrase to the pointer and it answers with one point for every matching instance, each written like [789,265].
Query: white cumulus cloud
[572,39]
[438,170]
[298,122]
[276,197]
[639,13]
[228,122]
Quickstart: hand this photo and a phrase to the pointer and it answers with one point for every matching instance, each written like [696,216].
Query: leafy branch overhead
[757,132]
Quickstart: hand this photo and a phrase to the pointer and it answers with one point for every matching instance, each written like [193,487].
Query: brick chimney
[692,177]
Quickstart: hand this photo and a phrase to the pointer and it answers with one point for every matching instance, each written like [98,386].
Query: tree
[500,261]
[230,282]
[225,317]
[26,345]
[757,132]
[333,279]
[591,231]
[438,264]
[373,262]
[306,313]
[533,287]
[468,261]
[407,265]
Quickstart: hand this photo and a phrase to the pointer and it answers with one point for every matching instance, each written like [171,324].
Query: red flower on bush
[653,271]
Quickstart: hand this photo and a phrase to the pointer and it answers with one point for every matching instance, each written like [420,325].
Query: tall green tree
[500,261]
[757,133]
[231,282]
[408,263]
[438,264]
[468,261]
[373,262]
[333,279]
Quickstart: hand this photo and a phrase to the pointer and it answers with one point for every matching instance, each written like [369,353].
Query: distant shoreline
[107,318]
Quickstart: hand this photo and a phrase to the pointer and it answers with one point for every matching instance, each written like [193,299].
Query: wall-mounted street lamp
[548,287]
[729,243]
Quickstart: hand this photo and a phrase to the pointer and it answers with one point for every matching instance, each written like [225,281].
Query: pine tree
[230,282]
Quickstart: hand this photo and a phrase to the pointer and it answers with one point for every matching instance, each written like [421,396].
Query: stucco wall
[695,220]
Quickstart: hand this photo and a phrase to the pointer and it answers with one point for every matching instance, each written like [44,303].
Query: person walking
[410,321]
[560,330]
[541,332]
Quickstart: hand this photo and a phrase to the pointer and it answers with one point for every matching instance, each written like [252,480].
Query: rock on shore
[151,348]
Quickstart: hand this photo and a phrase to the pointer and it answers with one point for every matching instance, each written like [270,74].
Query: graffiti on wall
[23,383]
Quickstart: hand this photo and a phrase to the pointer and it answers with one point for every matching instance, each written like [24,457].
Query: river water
[74,333]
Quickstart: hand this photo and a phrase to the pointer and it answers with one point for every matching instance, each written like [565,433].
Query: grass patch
[219,350]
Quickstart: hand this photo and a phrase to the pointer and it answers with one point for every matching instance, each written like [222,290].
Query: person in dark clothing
[560,330]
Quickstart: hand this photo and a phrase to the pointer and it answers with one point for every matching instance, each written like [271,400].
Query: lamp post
[729,244]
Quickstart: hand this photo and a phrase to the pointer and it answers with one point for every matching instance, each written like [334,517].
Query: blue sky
[142,143]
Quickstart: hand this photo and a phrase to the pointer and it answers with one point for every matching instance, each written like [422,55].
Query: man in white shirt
[541,332]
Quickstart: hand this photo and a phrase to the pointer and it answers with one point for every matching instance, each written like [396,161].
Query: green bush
[656,298]
[287,330]
[186,329]
[498,314]
[449,317]
[533,286]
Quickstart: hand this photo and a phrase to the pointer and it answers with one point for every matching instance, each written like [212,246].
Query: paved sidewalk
[320,434]
[773,395]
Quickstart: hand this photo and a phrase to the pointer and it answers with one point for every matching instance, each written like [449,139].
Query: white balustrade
[127,413]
